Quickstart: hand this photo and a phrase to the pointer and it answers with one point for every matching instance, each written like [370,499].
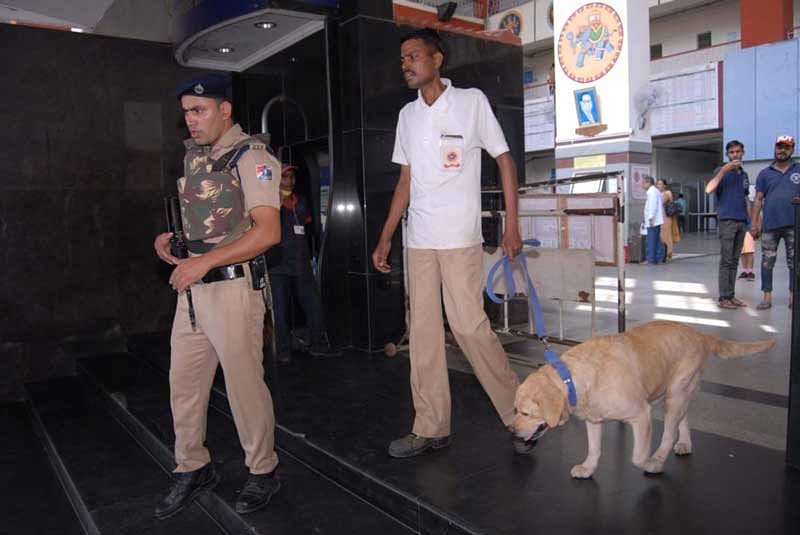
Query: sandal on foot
[738,302]
[763,305]
[727,304]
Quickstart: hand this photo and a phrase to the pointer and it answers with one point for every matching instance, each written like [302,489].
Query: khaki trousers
[230,319]
[459,272]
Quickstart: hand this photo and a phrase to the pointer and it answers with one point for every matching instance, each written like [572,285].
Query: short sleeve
[399,155]
[761,183]
[489,131]
[260,173]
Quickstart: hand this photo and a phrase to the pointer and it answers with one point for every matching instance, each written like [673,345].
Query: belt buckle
[229,272]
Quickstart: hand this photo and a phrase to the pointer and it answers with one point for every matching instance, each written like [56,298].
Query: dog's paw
[581,471]
[653,466]
[682,448]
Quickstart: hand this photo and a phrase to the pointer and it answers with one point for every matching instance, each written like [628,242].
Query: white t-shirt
[653,208]
[442,146]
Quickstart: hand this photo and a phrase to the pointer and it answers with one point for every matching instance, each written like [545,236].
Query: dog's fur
[616,378]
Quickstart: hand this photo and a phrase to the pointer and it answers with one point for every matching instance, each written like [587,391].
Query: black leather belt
[224,273]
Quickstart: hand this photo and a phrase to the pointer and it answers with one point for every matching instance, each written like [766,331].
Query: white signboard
[540,124]
[685,100]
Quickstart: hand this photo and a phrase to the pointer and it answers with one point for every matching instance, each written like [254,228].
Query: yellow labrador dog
[616,378]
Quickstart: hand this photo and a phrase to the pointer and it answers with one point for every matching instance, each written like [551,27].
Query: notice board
[580,222]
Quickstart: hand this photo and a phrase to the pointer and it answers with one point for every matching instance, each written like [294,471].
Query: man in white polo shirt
[438,146]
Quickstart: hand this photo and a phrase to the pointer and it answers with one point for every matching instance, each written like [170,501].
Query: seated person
[290,273]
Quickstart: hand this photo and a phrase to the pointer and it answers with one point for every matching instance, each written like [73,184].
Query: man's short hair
[734,143]
[429,37]
[649,180]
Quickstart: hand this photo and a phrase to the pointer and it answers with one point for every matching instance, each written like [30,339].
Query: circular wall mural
[590,42]
[512,21]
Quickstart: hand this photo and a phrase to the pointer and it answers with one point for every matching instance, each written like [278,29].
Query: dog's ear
[552,403]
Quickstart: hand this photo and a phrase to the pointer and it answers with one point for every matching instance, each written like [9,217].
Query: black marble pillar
[365,309]
[91,140]
[793,430]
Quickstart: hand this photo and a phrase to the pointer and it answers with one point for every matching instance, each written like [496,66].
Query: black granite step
[339,414]
[112,481]
[32,499]
[308,502]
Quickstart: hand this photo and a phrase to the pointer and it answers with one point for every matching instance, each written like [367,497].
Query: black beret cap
[209,85]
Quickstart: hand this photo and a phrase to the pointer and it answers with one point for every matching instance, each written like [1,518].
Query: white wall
[678,33]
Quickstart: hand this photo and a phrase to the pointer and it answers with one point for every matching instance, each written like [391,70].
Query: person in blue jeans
[731,184]
[290,274]
[653,219]
[776,186]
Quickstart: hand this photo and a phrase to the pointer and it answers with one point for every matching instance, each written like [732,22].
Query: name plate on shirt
[299,230]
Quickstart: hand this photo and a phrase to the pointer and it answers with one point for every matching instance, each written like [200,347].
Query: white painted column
[602,54]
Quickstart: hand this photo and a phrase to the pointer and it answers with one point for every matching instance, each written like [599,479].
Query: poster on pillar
[602,69]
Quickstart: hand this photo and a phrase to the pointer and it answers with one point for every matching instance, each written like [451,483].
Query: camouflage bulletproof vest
[212,201]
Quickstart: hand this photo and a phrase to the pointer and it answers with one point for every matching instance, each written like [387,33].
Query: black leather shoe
[411,445]
[257,492]
[522,446]
[185,489]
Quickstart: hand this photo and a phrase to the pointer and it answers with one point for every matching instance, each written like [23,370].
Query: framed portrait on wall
[587,107]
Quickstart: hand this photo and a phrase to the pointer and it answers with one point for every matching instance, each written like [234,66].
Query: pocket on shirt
[451,152]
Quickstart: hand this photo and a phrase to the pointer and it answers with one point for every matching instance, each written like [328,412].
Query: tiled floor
[743,398]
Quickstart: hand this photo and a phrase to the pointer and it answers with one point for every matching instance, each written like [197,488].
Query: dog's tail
[726,349]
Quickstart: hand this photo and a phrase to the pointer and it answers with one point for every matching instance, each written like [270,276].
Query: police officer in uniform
[230,210]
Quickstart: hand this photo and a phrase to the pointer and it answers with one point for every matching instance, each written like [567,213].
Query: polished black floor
[308,502]
[33,501]
[115,479]
[349,408]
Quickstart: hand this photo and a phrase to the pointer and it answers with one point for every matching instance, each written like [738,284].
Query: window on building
[656,51]
[704,40]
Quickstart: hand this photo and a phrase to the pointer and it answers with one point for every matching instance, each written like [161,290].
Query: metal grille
[466,8]
[496,6]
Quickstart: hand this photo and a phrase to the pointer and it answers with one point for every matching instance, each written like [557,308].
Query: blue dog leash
[536,310]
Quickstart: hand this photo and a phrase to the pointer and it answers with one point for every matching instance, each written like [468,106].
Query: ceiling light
[225,49]
[265,25]
[76,30]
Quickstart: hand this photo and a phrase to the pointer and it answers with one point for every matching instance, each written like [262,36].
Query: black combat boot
[185,489]
[257,492]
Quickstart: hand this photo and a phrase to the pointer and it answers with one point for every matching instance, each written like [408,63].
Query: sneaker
[744,275]
[257,492]
[185,489]
[411,445]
